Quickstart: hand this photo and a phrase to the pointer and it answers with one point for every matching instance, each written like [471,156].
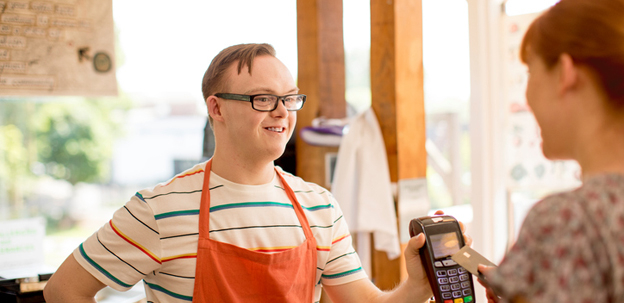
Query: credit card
[470,259]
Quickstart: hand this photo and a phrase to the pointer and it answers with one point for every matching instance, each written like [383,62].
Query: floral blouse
[570,247]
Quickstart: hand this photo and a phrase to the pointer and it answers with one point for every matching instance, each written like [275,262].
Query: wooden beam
[321,76]
[398,101]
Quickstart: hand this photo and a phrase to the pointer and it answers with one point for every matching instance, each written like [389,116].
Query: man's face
[255,134]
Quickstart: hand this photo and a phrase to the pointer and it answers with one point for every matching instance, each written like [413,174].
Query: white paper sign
[21,243]
[413,203]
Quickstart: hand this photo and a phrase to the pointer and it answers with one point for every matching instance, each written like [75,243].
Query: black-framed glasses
[268,102]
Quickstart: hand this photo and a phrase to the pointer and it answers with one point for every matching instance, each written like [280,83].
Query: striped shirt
[154,236]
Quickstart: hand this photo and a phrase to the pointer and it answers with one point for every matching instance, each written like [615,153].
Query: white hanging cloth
[362,187]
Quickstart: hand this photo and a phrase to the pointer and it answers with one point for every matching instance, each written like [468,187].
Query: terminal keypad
[454,282]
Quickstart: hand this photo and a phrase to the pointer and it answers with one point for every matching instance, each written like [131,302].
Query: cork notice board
[57,47]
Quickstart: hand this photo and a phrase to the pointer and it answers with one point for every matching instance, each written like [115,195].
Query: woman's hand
[489,292]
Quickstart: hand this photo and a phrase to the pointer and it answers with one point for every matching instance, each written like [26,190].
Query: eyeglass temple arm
[235,97]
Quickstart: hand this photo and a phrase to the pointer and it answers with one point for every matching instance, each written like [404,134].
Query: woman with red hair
[571,245]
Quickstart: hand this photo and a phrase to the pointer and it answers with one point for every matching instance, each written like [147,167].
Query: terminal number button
[449,262]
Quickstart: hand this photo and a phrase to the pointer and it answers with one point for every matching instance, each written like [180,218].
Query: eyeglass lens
[269,102]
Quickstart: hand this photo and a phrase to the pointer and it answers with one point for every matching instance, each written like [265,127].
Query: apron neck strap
[204,209]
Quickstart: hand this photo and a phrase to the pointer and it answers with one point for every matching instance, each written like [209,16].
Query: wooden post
[398,101]
[321,77]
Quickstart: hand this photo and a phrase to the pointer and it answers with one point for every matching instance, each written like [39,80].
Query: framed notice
[57,48]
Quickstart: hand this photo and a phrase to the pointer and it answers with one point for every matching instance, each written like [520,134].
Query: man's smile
[276,129]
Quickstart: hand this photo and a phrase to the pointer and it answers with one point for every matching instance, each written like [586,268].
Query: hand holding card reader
[450,282]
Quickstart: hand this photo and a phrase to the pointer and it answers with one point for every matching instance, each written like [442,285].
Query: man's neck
[249,172]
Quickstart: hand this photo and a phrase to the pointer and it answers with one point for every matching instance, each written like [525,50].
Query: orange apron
[228,273]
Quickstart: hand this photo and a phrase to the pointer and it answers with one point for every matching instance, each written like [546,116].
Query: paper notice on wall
[413,203]
[21,244]
[57,48]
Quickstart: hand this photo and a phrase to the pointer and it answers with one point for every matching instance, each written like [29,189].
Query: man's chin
[277,154]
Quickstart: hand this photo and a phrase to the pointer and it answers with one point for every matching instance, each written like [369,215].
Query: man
[246,231]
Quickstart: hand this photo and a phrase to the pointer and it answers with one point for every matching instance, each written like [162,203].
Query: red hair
[591,32]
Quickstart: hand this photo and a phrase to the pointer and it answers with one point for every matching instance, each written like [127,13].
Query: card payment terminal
[450,282]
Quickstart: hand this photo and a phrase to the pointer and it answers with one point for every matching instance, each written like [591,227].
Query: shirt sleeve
[552,260]
[125,249]
[343,264]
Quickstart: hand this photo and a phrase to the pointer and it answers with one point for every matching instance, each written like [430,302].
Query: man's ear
[214,108]
[568,74]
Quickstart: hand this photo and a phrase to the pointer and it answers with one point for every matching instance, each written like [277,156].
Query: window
[447,90]
[74,160]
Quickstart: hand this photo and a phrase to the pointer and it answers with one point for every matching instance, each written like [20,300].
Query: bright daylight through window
[73,161]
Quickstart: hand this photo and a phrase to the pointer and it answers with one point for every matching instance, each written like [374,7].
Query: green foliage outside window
[69,139]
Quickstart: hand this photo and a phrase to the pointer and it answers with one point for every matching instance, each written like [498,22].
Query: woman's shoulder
[597,200]
[555,204]
[555,216]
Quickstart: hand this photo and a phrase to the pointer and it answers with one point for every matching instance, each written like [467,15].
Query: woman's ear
[568,74]
[214,108]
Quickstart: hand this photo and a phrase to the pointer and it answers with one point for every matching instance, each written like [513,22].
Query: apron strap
[204,216]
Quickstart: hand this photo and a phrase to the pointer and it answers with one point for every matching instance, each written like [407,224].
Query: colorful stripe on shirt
[178,213]
[266,204]
[134,243]
[199,170]
[342,274]
[327,248]
[100,269]
[168,292]
[340,238]
[249,204]
[183,256]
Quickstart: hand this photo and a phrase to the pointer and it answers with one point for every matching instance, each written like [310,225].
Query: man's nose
[280,110]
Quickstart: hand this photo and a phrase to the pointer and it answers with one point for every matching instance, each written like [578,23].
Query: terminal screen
[444,245]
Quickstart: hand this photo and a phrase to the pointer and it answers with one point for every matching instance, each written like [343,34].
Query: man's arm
[415,289]
[72,283]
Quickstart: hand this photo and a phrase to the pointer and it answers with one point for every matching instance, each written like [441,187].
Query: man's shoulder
[188,180]
[298,182]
